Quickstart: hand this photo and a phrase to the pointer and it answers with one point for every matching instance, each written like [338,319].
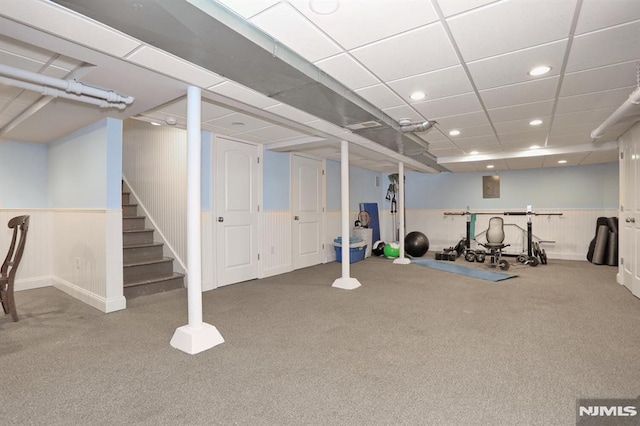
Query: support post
[345,282]
[401,260]
[196,336]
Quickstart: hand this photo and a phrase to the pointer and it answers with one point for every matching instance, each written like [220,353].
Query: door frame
[214,202]
[323,196]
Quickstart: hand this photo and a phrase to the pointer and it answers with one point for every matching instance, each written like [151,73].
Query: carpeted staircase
[146,269]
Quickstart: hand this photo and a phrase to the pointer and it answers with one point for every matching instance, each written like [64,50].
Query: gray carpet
[411,346]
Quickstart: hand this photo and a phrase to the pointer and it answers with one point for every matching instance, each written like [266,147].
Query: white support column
[401,260]
[196,336]
[345,282]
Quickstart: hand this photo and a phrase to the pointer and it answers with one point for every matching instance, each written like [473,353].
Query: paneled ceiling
[471,59]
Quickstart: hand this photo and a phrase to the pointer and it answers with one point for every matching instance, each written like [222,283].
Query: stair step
[141,252]
[147,270]
[129,210]
[133,223]
[138,236]
[145,287]
[125,197]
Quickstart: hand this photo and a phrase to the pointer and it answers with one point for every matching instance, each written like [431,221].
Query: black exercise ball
[416,244]
[378,248]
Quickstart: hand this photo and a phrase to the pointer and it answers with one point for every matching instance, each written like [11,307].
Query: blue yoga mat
[482,274]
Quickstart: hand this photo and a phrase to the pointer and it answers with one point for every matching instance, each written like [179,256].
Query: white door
[236,197]
[307,183]
[634,214]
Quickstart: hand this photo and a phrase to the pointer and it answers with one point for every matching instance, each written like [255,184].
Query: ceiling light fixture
[324,7]
[154,123]
[474,153]
[454,132]
[490,166]
[562,161]
[535,122]
[418,96]
[171,121]
[534,147]
[541,70]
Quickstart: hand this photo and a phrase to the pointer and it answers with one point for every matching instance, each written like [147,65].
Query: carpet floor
[411,346]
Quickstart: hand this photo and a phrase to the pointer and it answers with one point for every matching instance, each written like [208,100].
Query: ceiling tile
[448,106]
[298,34]
[461,121]
[521,112]
[599,14]
[597,157]
[247,9]
[357,23]
[347,71]
[436,84]
[461,167]
[598,100]
[501,25]
[521,93]
[516,126]
[380,96]
[153,58]
[571,159]
[453,7]
[486,143]
[514,67]
[599,79]
[592,115]
[533,137]
[239,123]
[395,57]
[605,47]
[446,152]
[272,133]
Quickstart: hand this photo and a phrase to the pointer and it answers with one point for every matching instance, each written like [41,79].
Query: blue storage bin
[356,251]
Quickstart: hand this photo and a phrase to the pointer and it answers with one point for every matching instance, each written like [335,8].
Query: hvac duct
[416,127]
[618,115]
[68,86]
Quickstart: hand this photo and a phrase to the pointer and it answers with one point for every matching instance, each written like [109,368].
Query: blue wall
[582,187]
[276,172]
[23,175]
[85,167]
[362,187]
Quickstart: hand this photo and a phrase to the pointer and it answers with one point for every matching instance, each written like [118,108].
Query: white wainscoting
[276,243]
[35,269]
[82,242]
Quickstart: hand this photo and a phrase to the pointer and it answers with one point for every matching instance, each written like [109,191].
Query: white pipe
[344,200]
[196,336]
[55,93]
[345,282]
[618,114]
[401,260]
[194,243]
[69,86]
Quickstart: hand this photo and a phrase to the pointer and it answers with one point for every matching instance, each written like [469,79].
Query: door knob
[627,219]
[296,218]
[632,219]
[220,219]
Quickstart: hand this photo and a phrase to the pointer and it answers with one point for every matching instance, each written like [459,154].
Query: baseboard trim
[91,299]
[32,283]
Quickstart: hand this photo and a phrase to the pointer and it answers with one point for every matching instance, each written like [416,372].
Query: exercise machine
[533,255]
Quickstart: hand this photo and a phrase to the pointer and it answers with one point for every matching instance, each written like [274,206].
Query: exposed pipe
[48,91]
[618,114]
[416,127]
[69,86]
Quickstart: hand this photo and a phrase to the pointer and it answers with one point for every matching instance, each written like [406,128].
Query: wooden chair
[20,225]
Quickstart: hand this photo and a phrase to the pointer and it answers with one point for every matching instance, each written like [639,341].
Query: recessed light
[418,96]
[562,161]
[454,132]
[541,70]
[237,123]
[153,123]
[324,7]
[535,122]
[490,166]
[474,153]
[534,147]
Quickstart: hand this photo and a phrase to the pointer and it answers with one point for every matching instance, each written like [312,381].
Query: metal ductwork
[206,34]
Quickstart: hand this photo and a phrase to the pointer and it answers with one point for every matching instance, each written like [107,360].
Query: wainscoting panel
[276,243]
